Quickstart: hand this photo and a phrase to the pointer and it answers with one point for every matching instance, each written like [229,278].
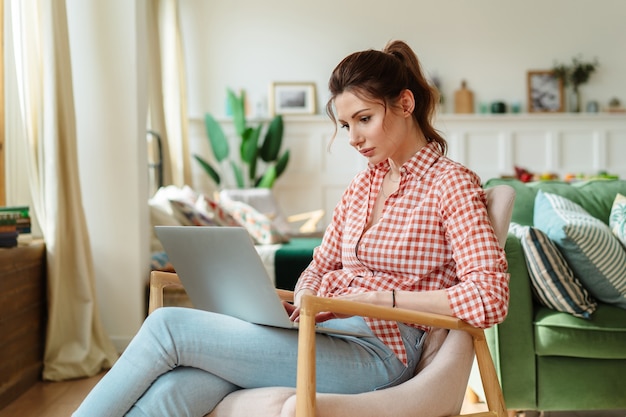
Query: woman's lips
[367,152]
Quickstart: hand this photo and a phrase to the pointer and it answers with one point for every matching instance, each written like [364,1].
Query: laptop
[223,273]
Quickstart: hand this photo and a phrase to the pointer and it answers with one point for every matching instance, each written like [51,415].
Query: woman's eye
[345,126]
[365,119]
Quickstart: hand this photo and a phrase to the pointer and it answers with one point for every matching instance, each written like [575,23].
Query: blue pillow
[592,251]
[552,280]
[617,218]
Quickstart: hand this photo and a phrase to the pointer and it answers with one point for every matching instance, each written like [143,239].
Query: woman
[410,231]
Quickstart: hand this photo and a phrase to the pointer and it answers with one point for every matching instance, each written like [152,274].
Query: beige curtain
[167,89]
[76,344]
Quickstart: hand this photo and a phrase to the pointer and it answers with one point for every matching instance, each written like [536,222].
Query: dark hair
[382,76]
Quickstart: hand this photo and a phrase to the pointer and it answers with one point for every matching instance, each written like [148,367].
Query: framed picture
[545,92]
[292,98]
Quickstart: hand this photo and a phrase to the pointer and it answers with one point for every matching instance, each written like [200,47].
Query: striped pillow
[553,281]
[588,245]
[617,220]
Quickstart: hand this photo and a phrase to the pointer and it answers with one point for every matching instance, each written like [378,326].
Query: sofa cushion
[617,220]
[189,215]
[260,227]
[553,282]
[595,196]
[590,248]
[601,337]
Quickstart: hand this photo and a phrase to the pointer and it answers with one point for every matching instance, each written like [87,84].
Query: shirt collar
[418,164]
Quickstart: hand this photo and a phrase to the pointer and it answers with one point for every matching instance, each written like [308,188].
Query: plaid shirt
[434,233]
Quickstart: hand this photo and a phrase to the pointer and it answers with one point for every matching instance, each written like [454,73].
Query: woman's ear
[407,101]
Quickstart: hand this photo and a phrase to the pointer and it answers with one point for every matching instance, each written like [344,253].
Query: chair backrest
[500,201]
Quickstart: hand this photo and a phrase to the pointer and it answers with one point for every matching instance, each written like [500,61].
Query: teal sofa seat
[549,360]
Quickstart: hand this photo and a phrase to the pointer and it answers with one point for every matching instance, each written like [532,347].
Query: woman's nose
[355,138]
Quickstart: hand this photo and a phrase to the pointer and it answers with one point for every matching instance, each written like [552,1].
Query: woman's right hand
[294,309]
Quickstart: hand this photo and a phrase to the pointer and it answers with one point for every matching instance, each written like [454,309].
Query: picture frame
[545,92]
[292,98]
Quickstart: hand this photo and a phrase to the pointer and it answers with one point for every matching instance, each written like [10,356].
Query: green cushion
[595,196]
[292,258]
[601,337]
[566,383]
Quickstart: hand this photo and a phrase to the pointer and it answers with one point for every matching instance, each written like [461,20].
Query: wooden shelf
[22,318]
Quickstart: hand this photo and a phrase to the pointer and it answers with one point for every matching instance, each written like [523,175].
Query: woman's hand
[294,314]
[374,297]
[365,297]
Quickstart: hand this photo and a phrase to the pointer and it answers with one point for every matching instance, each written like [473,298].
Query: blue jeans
[182,362]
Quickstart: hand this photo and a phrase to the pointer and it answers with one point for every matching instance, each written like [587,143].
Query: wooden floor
[51,399]
[60,399]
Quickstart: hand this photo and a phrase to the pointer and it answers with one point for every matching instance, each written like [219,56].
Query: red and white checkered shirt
[434,233]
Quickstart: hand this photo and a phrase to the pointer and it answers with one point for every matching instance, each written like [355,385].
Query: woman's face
[377,134]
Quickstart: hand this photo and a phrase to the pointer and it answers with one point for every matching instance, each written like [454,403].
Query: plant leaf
[237,107]
[249,144]
[238,174]
[208,169]
[273,140]
[268,179]
[252,168]
[217,138]
[281,165]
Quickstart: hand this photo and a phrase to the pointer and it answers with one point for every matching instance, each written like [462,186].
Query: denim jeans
[182,362]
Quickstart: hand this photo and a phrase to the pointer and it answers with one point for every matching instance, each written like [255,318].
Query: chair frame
[311,305]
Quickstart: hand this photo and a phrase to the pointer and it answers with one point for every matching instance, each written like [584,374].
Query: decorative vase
[574,100]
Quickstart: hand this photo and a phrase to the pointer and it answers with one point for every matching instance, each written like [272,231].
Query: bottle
[463,100]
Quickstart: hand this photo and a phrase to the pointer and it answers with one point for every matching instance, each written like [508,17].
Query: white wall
[490,43]
[108,67]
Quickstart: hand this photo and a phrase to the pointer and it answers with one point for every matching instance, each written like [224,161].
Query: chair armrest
[311,305]
[160,280]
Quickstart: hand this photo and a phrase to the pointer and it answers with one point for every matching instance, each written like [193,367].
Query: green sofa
[549,360]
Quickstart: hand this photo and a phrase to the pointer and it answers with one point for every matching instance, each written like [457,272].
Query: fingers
[292,310]
[324,316]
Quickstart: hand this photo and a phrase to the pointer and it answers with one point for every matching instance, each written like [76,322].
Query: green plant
[252,154]
[577,73]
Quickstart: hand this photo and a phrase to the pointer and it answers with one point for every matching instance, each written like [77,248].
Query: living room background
[248,44]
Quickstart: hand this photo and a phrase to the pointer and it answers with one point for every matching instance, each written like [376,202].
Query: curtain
[167,90]
[76,344]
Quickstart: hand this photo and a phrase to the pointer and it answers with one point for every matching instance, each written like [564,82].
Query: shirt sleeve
[481,296]
[327,256]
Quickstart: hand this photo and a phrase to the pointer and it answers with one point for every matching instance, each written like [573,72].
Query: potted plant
[253,154]
[575,75]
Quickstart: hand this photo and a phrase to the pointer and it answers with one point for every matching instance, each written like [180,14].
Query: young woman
[410,231]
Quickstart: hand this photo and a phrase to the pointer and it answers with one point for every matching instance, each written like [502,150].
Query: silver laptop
[222,272]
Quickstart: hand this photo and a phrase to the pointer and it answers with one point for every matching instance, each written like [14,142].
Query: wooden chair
[499,205]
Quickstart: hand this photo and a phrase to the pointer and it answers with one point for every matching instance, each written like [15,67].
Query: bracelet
[393,298]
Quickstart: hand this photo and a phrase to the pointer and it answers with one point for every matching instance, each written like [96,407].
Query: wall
[108,65]
[490,43]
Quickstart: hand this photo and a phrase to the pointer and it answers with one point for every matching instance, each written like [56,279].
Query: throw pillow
[587,244]
[190,216]
[552,280]
[212,209]
[617,219]
[258,225]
